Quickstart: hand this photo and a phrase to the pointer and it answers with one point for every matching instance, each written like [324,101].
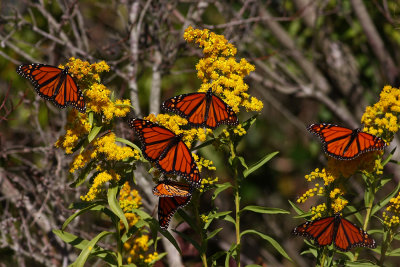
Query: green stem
[323,258]
[368,215]
[237,202]
[203,251]
[385,246]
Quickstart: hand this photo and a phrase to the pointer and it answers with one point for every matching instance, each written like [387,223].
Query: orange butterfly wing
[344,234]
[201,109]
[343,143]
[54,84]
[168,152]
[167,206]
[348,235]
[320,230]
[172,189]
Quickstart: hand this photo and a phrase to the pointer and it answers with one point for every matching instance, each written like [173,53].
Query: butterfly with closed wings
[172,196]
[54,84]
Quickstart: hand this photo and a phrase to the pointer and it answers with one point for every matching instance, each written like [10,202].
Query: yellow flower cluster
[129,199]
[97,96]
[207,181]
[338,204]
[204,218]
[105,146]
[220,71]
[381,118]
[391,216]
[318,211]
[202,162]
[99,180]
[77,126]
[323,174]
[239,130]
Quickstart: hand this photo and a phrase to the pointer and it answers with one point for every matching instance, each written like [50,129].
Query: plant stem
[237,201]
[385,246]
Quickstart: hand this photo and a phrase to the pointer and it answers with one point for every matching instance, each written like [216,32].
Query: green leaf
[389,157]
[296,209]
[220,188]
[386,200]
[88,249]
[93,206]
[242,161]
[187,218]
[129,143]
[228,218]
[272,241]
[359,263]
[204,144]
[91,118]
[114,205]
[171,239]
[394,252]
[93,133]
[213,233]
[215,215]
[190,240]
[260,163]
[265,210]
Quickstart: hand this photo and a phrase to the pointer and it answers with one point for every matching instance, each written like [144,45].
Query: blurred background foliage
[316,61]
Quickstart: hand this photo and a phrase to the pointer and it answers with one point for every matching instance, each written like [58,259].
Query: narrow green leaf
[359,263]
[213,233]
[296,209]
[187,218]
[389,157]
[394,252]
[265,210]
[79,243]
[204,144]
[243,162]
[171,239]
[90,118]
[114,205]
[220,188]
[190,240]
[94,206]
[228,218]
[260,163]
[129,143]
[384,201]
[93,133]
[88,249]
[272,241]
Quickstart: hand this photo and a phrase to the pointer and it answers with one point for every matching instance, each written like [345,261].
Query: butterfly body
[201,109]
[53,84]
[343,233]
[344,143]
[166,150]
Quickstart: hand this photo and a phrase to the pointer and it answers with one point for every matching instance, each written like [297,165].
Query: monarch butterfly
[167,206]
[54,84]
[343,233]
[167,150]
[201,109]
[172,189]
[344,143]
